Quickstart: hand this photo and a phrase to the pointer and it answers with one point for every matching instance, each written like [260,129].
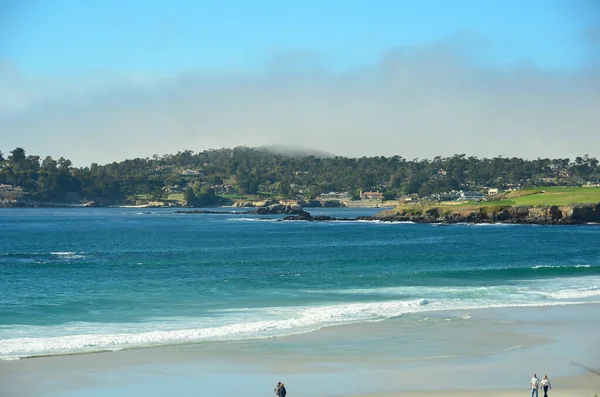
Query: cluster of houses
[454,195]
[9,194]
[7,189]
[219,189]
[345,195]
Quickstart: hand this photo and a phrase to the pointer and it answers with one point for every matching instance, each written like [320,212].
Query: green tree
[17,155]
[158,194]
[389,195]
[207,196]
[189,196]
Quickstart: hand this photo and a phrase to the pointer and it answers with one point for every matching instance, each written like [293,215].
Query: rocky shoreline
[273,209]
[572,214]
[538,215]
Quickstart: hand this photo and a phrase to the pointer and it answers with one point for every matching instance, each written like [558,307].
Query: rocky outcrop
[331,204]
[310,203]
[253,204]
[543,215]
[277,209]
[244,204]
[273,209]
[305,216]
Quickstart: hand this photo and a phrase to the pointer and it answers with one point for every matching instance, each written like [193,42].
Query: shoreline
[572,214]
[490,352]
[458,313]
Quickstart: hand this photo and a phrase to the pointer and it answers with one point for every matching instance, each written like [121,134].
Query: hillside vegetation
[216,176]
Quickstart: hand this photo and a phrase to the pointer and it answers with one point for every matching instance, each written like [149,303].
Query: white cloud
[423,103]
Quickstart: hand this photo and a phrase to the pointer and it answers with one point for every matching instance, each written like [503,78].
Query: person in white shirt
[535,385]
[546,385]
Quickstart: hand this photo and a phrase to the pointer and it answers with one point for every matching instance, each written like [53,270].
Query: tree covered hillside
[252,171]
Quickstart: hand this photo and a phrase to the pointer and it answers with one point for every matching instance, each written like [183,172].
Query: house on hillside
[470,195]
[334,196]
[371,195]
[408,198]
[173,189]
[591,184]
[492,191]
[564,174]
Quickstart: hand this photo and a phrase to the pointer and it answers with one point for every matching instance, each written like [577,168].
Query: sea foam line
[310,319]
[307,320]
[560,266]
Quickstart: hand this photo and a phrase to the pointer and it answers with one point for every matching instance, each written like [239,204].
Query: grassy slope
[553,195]
[539,196]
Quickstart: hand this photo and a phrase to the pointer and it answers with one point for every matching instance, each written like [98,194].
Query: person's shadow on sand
[587,368]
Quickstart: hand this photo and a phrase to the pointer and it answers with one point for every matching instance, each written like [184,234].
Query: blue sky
[50,36]
[104,80]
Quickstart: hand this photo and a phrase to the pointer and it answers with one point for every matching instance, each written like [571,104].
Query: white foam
[266,322]
[560,266]
[311,319]
[285,321]
[252,219]
[513,348]
[69,255]
[496,224]
[576,293]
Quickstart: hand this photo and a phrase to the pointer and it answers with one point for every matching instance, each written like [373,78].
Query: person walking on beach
[280,390]
[546,385]
[534,384]
[277,388]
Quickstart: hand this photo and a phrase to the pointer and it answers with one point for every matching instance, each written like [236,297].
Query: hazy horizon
[474,79]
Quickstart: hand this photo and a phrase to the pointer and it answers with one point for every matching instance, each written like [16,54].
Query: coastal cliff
[541,214]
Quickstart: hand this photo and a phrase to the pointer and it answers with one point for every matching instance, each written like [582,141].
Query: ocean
[77,280]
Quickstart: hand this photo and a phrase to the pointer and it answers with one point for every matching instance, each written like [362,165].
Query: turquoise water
[81,280]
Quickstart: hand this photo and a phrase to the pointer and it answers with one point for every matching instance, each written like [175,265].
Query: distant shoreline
[575,214]
[572,214]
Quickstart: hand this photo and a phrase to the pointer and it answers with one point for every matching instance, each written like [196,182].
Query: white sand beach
[490,352]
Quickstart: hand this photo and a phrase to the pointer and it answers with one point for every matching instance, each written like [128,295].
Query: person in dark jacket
[282,391]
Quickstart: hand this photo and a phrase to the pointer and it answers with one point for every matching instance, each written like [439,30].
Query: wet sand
[488,352]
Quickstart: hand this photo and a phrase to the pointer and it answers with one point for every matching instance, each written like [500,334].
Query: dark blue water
[96,279]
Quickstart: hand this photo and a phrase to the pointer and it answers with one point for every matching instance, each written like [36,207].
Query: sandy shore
[487,393]
[491,352]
